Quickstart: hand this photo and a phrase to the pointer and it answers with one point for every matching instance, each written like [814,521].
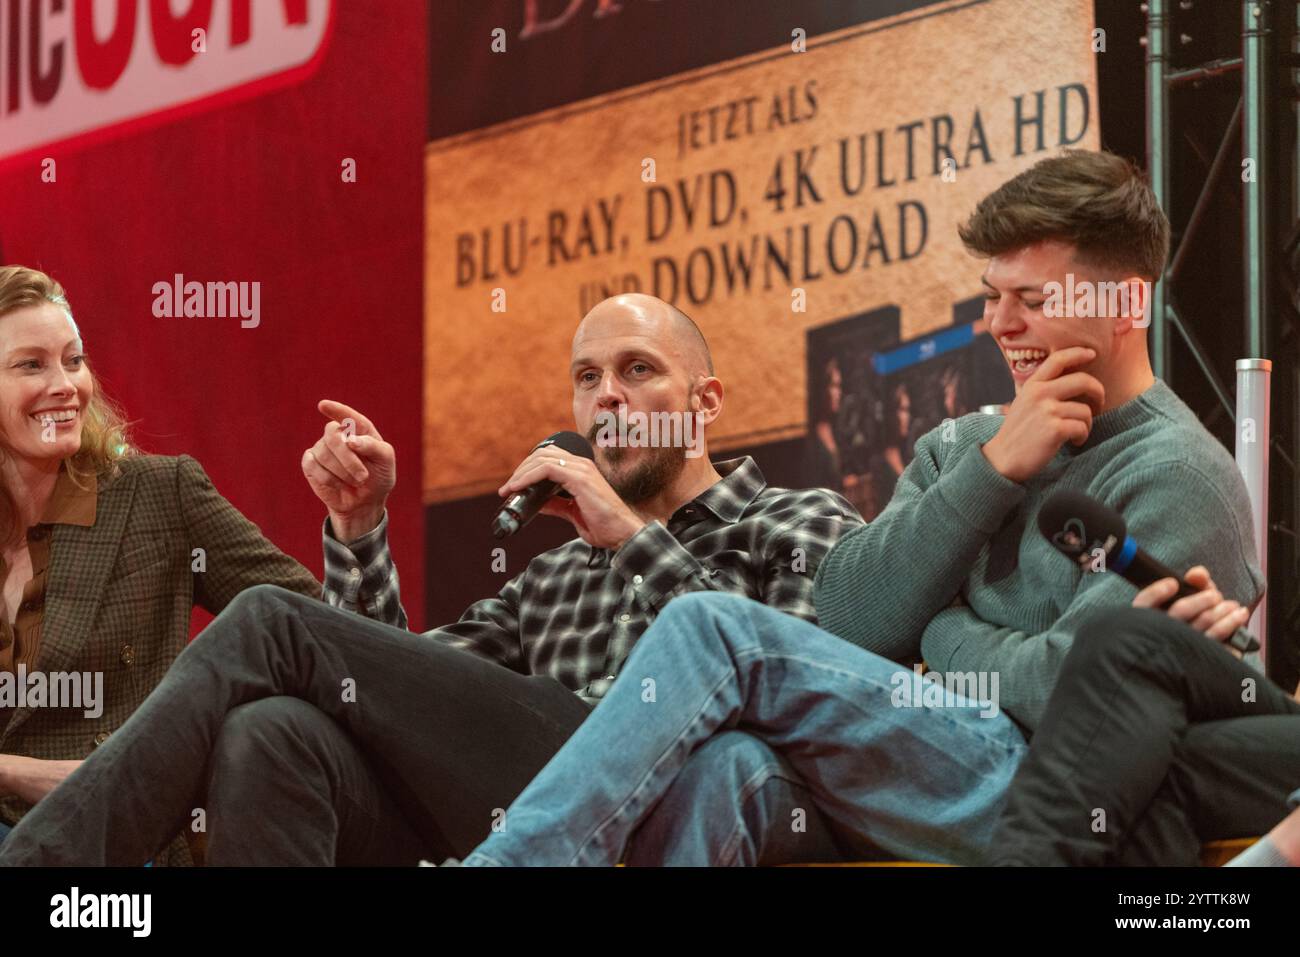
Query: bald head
[691,339]
[638,360]
[665,326]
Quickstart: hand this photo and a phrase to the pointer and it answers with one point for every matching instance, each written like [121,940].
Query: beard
[657,470]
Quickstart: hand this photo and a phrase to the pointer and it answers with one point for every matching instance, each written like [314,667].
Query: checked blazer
[119,594]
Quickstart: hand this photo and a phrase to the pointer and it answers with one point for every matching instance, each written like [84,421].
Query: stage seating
[1213,854]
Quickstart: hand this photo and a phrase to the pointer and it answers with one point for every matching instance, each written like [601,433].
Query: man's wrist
[630,535]
[990,451]
[349,527]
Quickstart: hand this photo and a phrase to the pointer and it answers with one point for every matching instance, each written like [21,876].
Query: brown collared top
[69,505]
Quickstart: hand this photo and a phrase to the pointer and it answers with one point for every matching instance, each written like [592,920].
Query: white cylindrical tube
[1254,377]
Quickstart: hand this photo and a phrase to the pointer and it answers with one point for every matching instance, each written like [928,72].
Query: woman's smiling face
[45,384]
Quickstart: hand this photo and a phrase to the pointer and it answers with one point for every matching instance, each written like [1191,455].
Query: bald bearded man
[308,735]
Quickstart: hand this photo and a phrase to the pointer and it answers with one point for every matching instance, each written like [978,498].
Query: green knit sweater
[955,571]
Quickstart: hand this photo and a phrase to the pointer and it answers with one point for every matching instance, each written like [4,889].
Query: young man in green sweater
[753,712]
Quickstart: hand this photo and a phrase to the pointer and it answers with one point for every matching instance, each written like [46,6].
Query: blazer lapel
[81,560]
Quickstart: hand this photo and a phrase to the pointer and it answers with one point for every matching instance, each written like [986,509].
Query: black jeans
[1155,740]
[300,734]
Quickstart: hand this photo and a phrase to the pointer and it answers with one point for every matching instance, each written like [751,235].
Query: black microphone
[1079,525]
[522,507]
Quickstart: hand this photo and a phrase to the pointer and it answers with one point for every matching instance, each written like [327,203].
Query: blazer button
[128,655]
[101,738]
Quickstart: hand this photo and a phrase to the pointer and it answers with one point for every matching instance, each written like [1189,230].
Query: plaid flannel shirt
[575,611]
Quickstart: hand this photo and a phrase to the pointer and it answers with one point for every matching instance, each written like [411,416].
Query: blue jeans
[760,812]
[925,782]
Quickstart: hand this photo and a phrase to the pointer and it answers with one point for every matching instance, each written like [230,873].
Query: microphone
[1078,525]
[522,507]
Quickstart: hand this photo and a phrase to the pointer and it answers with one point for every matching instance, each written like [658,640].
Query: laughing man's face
[1014,290]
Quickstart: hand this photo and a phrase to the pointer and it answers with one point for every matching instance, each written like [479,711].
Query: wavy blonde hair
[104,440]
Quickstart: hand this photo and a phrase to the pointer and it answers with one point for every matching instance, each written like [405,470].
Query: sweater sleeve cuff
[654,563]
[941,639]
[979,493]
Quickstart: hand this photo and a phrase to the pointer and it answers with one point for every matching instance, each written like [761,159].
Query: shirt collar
[726,499]
[69,503]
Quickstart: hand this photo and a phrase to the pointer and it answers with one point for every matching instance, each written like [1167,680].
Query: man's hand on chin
[1053,407]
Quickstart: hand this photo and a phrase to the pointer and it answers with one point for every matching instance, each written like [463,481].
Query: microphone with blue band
[1079,526]
[1127,552]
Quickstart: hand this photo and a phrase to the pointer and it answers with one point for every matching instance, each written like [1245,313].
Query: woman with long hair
[103,552]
